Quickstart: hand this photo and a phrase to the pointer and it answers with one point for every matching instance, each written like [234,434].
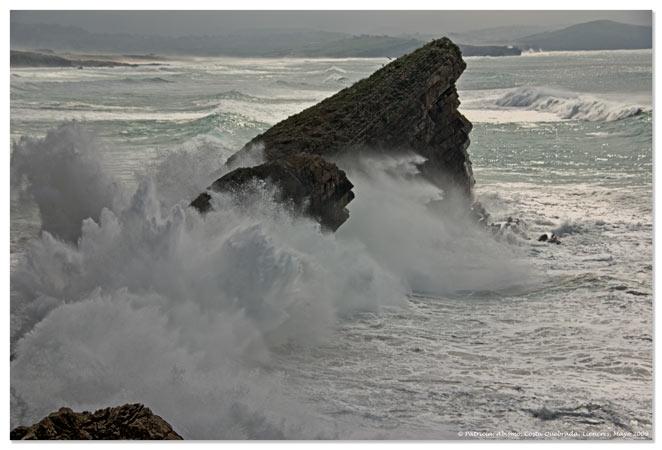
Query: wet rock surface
[410,104]
[126,422]
[550,238]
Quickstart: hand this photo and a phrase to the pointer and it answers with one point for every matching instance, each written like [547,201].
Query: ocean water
[404,324]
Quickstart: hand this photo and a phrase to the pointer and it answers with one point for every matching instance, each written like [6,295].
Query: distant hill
[258,43]
[379,46]
[596,35]
[47,58]
[498,35]
[489,50]
[362,46]
[32,59]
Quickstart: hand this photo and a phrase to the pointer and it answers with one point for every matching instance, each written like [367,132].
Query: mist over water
[435,250]
[65,179]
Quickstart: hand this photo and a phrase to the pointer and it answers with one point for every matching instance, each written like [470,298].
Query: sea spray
[64,175]
[434,247]
[154,303]
[149,291]
[183,173]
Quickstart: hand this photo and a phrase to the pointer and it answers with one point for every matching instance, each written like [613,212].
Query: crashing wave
[221,121]
[335,69]
[242,97]
[235,95]
[568,105]
[568,227]
[335,78]
[145,80]
[142,299]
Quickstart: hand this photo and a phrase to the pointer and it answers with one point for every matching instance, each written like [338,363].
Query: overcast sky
[176,23]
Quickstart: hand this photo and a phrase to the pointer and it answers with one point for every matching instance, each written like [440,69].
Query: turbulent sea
[404,324]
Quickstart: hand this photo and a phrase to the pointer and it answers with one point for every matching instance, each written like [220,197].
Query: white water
[405,323]
[569,106]
[540,104]
[145,294]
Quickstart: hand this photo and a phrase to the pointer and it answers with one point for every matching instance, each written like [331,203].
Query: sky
[179,23]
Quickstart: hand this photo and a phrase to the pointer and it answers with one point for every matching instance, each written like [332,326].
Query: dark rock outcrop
[550,238]
[313,186]
[126,422]
[408,105]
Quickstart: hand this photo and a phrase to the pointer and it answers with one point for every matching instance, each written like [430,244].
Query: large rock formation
[128,422]
[311,185]
[409,105]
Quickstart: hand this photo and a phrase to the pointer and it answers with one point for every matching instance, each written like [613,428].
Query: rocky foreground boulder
[127,422]
[409,105]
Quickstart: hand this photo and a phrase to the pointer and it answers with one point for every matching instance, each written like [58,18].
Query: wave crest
[569,106]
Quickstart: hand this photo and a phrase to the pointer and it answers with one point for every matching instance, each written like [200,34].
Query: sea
[405,324]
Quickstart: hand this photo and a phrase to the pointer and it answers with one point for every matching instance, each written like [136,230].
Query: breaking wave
[335,69]
[224,120]
[63,174]
[145,80]
[567,228]
[569,106]
[240,96]
[138,298]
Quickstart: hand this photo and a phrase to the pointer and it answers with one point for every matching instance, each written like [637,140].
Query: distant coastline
[48,58]
[47,42]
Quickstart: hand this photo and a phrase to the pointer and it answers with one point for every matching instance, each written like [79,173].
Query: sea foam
[147,301]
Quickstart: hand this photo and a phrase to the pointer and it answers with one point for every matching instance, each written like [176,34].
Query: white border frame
[466,5]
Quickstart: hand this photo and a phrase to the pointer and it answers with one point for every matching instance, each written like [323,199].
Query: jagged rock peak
[408,105]
[126,422]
